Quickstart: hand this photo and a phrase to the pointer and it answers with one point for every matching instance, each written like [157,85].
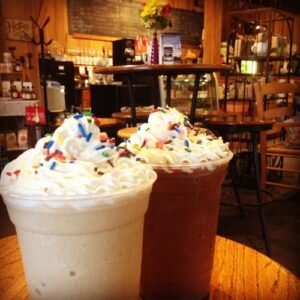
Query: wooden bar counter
[239,272]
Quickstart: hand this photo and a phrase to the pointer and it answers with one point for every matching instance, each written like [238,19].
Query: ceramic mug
[260,48]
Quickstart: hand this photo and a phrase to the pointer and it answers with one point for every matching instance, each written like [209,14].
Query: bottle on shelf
[27,94]
[23,93]
[33,94]
[14,92]
[18,66]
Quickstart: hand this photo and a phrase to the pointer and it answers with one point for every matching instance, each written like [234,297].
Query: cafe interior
[230,66]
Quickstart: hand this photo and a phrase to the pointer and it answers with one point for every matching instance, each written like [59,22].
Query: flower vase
[154,49]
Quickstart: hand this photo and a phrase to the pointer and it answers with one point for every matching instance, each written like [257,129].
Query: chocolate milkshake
[181,222]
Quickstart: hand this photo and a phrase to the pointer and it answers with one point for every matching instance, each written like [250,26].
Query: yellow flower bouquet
[155,14]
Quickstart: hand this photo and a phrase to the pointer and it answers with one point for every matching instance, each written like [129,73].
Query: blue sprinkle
[52,166]
[81,130]
[139,128]
[88,137]
[112,146]
[173,137]
[71,161]
[49,144]
[177,129]
[137,159]
[100,147]
[41,164]
[186,143]
[78,116]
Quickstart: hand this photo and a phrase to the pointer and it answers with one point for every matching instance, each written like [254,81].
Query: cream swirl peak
[76,159]
[169,139]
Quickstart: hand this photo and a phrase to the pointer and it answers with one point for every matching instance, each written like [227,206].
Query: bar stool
[110,125]
[125,133]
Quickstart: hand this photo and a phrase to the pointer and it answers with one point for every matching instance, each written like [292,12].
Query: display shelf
[11,73]
[264,36]
[17,149]
[182,91]
[15,107]
[259,58]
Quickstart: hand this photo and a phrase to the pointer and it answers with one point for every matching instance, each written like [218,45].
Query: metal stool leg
[258,195]
[234,187]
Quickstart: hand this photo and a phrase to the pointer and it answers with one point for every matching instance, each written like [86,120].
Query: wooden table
[239,272]
[125,133]
[169,71]
[103,122]
[141,116]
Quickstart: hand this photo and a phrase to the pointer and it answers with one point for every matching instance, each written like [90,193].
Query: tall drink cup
[180,231]
[180,225]
[79,213]
[81,247]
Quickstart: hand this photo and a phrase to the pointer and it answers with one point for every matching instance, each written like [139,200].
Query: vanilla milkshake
[79,214]
[181,222]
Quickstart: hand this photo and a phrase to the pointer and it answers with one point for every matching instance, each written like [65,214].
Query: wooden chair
[275,101]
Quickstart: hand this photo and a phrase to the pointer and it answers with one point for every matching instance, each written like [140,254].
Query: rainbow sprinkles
[64,163]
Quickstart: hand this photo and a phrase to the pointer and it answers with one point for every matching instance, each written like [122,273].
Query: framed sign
[18,29]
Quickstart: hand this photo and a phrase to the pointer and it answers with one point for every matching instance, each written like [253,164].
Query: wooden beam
[213,11]
[94,37]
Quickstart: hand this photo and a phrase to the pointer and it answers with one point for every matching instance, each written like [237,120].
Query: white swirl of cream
[168,139]
[73,163]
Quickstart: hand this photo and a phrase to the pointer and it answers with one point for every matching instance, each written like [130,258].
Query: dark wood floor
[283,219]
[283,224]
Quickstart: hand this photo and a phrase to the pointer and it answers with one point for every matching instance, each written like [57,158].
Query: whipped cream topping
[169,139]
[76,160]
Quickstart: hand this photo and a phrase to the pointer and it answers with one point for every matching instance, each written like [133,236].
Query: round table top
[234,123]
[103,122]
[239,272]
[140,115]
[125,133]
[161,69]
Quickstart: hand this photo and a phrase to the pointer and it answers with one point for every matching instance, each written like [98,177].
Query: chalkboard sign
[120,18]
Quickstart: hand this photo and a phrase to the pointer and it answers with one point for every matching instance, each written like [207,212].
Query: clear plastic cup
[81,247]
[180,230]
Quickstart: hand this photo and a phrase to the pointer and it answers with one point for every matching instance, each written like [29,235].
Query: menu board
[120,18]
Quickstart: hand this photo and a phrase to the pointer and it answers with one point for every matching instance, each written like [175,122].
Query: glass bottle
[33,94]
[14,92]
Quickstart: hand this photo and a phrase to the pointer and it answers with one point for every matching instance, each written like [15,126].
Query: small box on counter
[6,87]
[22,137]
[170,48]
[11,140]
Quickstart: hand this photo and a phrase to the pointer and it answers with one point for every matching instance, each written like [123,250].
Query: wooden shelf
[11,73]
[15,108]
[259,58]
[17,149]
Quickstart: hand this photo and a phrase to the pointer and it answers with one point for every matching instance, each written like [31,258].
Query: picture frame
[18,29]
